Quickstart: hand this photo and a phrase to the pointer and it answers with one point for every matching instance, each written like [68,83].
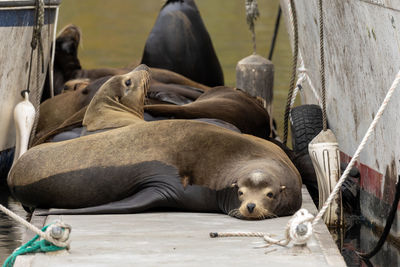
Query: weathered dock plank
[181,239]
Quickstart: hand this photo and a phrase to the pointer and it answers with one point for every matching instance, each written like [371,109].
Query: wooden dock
[180,239]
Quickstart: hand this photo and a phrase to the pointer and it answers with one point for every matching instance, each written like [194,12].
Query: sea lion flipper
[144,200]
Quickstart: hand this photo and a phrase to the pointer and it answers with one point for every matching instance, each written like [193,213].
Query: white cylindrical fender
[24,118]
[325,156]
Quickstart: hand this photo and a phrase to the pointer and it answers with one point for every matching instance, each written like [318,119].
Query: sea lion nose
[250,207]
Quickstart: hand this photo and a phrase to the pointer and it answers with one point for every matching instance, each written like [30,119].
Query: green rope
[32,246]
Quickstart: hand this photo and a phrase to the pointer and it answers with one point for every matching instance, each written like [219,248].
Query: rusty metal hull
[16,25]
[362,55]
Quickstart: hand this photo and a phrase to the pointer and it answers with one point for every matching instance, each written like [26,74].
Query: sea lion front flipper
[144,200]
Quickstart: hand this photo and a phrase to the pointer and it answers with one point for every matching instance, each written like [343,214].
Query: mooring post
[255,75]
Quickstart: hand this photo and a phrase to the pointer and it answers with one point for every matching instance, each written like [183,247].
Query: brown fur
[114,105]
[224,103]
[68,67]
[203,154]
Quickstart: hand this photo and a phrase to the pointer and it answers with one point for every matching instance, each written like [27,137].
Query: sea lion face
[128,89]
[134,86]
[259,196]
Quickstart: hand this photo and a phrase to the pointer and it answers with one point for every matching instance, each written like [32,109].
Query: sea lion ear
[283,187]
[234,185]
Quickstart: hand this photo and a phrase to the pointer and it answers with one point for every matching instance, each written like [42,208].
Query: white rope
[60,240]
[303,73]
[359,149]
[300,226]
[53,52]
[298,229]
[302,77]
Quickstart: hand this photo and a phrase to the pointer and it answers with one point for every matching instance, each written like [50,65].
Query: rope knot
[299,228]
[58,234]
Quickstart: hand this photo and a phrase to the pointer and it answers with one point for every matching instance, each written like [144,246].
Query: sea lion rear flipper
[144,200]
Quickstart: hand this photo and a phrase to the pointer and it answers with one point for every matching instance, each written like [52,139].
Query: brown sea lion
[67,66]
[76,84]
[224,103]
[55,111]
[145,164]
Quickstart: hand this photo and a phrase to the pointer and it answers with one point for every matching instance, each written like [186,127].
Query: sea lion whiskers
[236,214]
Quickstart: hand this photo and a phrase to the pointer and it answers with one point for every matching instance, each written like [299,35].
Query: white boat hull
[362,57]
[16,26]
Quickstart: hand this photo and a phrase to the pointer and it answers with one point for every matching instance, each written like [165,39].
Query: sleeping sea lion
[181,164]
[224,103]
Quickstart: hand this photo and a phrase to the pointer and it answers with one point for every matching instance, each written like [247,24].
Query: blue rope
[32,246]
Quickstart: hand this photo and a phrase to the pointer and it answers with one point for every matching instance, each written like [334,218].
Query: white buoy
[325,156]
[24,118]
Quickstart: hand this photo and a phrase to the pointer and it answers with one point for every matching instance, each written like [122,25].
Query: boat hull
[17,19]
[362,44]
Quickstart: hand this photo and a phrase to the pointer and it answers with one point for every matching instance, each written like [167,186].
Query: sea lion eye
[240,193]
[270,195]
[128,82]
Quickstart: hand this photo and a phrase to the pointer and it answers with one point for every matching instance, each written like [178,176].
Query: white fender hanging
[24,117]
[325,156]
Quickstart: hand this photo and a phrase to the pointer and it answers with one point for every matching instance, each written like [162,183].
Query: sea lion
[145,165]
[67,67]
[55,111]
[179,41]
[224,103]
[76,84]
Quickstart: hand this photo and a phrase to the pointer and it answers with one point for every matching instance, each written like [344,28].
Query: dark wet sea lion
[179,41]
[224,103]
[145,164]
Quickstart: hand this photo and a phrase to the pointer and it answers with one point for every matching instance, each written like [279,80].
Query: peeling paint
[373,34]
[392,20]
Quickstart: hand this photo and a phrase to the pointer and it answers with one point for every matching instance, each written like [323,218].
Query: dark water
[10,232]
[360,235]
[114,34]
